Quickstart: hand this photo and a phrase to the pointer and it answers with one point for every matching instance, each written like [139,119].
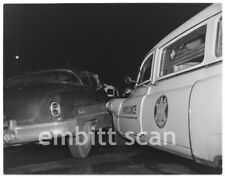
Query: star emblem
[161,111]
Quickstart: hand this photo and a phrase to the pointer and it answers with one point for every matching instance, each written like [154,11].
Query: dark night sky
[109,39]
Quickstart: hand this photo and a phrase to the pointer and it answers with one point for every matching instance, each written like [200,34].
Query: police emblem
[161,111]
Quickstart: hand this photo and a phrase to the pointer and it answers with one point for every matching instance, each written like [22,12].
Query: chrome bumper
[30,133]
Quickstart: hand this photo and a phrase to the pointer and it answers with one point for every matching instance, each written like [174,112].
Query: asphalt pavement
[36,159]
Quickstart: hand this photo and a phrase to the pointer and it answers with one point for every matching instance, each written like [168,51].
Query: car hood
[24,103]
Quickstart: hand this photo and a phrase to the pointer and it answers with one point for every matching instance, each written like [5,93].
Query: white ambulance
[179,90]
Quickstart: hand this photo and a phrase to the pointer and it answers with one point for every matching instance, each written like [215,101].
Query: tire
[81,151]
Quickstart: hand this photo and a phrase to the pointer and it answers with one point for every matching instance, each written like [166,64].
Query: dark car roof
[76,73]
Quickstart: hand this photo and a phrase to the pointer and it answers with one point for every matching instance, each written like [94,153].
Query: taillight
[8,136]
[55,109]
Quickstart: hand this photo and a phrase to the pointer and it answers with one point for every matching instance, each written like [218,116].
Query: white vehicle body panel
[190,99]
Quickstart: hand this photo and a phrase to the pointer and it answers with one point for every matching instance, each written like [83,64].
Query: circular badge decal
[161,111]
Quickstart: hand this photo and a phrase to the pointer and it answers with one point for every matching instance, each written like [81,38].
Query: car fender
[205,118]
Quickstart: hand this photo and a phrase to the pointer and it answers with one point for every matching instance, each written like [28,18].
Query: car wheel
[78,150]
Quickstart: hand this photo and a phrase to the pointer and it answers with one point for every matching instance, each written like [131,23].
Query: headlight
[55,109]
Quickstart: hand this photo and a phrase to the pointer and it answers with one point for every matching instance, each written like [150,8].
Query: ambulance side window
[146,69]
[186,52]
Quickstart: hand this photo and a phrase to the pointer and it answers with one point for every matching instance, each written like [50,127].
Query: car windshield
[44,77]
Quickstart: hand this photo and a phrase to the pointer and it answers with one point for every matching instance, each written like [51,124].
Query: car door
[129,116]
[166,105]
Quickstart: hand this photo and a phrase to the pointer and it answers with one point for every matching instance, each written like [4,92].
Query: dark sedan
[50,104]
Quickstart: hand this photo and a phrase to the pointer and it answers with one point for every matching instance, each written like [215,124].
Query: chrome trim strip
[191,70]
[55,123]
[128,117]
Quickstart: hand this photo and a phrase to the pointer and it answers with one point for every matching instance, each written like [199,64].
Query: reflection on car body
[55,101]
[179,89]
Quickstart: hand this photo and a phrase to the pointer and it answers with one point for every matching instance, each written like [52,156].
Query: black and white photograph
[112,88]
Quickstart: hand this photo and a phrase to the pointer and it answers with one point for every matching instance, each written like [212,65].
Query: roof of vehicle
[45,71]
[200,17]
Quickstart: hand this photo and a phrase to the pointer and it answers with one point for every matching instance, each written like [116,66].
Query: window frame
[151,53]
[177,40]
[219,23]
[174,40]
